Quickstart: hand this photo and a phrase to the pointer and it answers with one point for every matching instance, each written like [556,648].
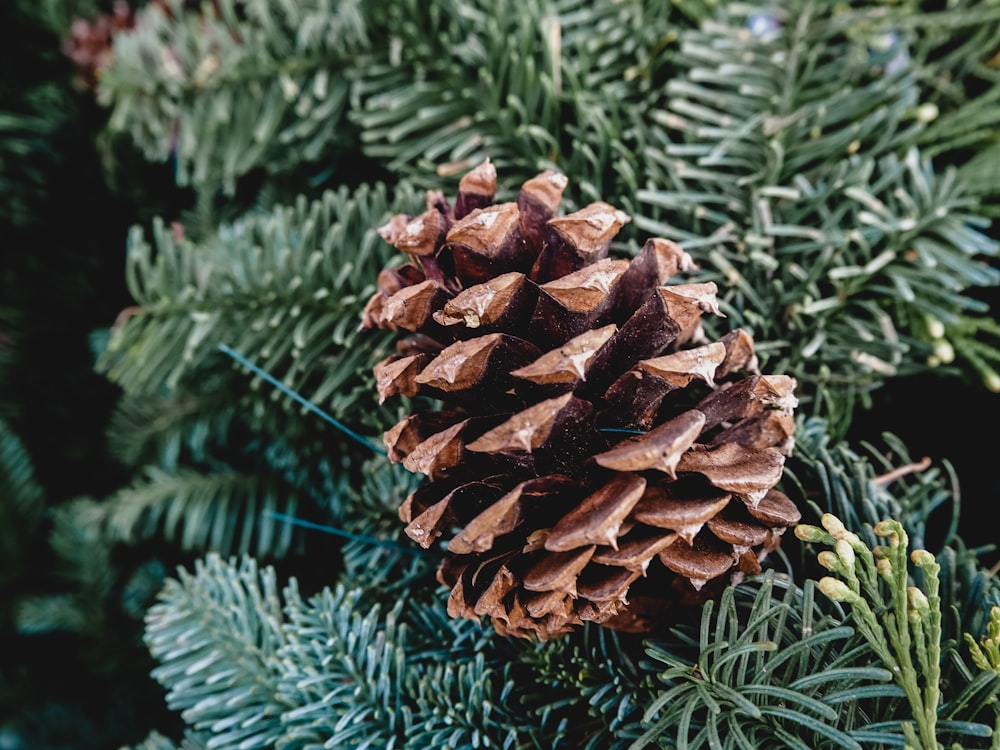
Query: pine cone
[594,457]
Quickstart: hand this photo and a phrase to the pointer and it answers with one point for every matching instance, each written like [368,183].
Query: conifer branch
[84,565]
[901,622]
[229,512]
[278,286]
[169,430]
[527,85]
[247,669]
[21,502]
[225,621]
[235,85]
[772,157]
[781,661]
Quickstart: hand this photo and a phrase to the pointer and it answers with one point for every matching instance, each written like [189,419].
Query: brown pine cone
[594,457]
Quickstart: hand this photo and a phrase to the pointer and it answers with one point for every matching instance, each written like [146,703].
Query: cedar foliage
[827,164]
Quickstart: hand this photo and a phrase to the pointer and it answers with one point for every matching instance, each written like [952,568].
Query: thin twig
[883,480]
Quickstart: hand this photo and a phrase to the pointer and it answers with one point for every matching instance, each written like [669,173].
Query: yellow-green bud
[992,381]
[925,561]
[921,557]
[832,524]
[837,590]
[944,351]
[808,533]
[854,540]
[927,112]
[935,327]
[884,568]
[892,531]
[918,601]
[845,552]
[830,561]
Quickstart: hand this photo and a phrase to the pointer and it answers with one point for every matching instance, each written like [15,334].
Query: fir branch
[229,512]
[223,622]
[157,741]
[235,86]
[203,437]
[26,154]
[953,51]
[790,175]
[527,85]
[389,681]
[771,664]
[22,504]
[169,430]
[284,288]
[248,671]
[588,690]
[58,15]
[349,703]
[85,571]
[372,511]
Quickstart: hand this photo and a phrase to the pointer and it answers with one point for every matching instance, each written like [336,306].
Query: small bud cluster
[986,655]
[900,621]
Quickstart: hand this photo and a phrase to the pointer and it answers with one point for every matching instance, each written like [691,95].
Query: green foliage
[770,664]
[381,558]
[226,511]
[772,670]
[906,634]
[26,156]
[235,86]
[785,156]
[829,164]
[588,690]
[958,70]
[823,687]
[35,110]
[862,488]
[157,741]
[238,619]
[284,288]
[527,85]
[22,504]
[58,15]
[784,161]
[251,667]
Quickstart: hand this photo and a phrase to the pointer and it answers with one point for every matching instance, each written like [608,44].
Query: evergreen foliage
[32,114]
[829,165]
[813,177]
[253,667]
[232,87]
[284,288]
[771,663]
[22,504]
[786,158]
